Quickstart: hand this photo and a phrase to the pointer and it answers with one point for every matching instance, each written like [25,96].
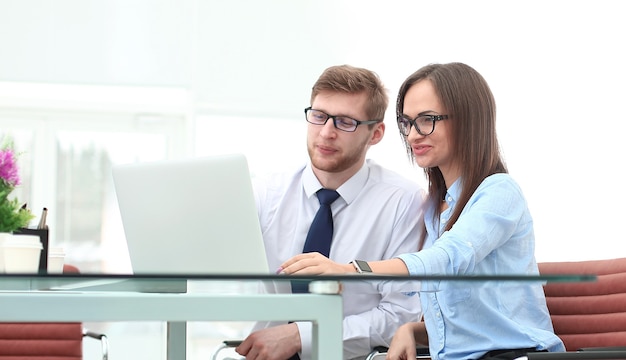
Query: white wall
[556,68]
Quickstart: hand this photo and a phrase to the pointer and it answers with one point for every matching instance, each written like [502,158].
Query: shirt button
[449,198]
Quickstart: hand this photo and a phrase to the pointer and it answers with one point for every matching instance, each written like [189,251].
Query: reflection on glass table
[178,299]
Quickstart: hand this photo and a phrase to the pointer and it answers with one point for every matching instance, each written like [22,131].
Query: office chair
[590,318]
[58,341]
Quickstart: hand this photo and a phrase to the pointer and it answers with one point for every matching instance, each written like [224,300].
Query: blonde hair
[354,80]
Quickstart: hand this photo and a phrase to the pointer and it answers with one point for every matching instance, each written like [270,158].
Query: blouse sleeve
[495,222]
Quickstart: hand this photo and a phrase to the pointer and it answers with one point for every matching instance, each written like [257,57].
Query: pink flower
[8,168]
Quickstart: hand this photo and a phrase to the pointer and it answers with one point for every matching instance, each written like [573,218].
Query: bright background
[85,84]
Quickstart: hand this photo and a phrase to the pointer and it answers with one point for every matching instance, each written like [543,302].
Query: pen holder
[43,236]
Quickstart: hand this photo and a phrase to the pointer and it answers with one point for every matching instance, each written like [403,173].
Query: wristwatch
[361,266]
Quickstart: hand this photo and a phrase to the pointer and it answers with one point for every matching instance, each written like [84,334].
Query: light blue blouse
[493,235]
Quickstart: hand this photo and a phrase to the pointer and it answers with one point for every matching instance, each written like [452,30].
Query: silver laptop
[190,216]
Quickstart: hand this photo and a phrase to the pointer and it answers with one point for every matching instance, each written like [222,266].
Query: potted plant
[12,214]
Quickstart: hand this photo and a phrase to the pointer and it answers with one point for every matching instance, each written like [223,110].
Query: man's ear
[378,133]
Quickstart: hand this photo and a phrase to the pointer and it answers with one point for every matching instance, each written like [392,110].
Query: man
[378,215]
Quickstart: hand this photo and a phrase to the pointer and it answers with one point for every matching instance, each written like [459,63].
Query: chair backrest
[588,314]
[58,341]
[70,269]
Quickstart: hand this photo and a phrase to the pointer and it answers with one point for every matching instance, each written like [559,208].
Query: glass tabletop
[329,284]
[183,299]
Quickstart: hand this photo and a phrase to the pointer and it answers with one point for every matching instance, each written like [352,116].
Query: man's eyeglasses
[424,124]
[343,123]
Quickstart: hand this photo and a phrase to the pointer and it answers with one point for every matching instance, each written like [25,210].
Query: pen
[42,221]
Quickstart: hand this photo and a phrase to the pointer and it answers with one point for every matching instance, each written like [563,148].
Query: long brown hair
[472,114]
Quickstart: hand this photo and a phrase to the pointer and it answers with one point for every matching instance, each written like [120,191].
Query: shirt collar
[348,190]
[453,193]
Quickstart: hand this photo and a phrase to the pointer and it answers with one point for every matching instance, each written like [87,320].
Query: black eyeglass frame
[334,117]
[413,123]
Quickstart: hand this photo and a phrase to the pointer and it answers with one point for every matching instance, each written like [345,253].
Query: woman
[477,222]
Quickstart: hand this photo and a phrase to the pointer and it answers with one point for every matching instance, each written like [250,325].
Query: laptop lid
[190,216]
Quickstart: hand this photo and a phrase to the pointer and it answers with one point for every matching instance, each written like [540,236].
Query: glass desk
[168,298]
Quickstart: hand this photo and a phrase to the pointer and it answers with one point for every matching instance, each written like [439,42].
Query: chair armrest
[224,345]
[379,352]
[604,348]
[595,353]
[104,342]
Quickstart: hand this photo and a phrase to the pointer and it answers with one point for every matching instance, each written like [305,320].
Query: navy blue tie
[320,233]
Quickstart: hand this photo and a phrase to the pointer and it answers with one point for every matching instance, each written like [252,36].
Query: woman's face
[434,150]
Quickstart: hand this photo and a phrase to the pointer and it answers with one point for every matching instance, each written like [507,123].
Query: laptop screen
[190,216]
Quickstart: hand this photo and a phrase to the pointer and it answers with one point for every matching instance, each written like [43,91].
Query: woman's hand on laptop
[314,263]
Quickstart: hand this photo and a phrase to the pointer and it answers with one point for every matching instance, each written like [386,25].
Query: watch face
[363,265]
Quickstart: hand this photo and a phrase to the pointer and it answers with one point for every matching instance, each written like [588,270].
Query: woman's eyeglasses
[424,124]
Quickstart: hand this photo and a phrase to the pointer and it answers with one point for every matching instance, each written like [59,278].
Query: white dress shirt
[377,216]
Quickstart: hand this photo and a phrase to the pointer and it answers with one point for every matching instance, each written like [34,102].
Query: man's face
[334,151]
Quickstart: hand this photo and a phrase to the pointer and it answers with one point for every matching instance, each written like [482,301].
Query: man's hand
[274,343]
[314,263]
